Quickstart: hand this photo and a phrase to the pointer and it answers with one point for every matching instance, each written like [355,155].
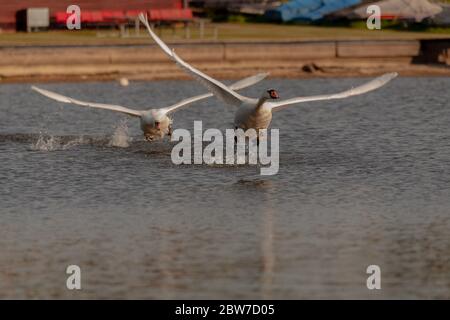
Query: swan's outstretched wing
[61,98]
[249,81]
[369,86]
[244,83]
[220,90]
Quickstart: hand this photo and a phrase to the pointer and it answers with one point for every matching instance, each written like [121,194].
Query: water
[362,181]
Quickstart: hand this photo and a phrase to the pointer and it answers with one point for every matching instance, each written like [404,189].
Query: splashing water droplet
[45,143]
[73,143]
[121,137]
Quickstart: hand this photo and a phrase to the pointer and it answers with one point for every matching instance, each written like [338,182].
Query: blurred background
[297,38]
[33,15]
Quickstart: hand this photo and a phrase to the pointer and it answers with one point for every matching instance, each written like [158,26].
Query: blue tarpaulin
[308,10]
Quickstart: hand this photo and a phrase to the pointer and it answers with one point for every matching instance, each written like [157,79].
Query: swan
[155,123]
[257,113]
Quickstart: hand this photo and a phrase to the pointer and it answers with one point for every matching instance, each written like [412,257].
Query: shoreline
[232,74]
[227,60]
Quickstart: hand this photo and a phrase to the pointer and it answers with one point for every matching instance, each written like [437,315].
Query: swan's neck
[261,102]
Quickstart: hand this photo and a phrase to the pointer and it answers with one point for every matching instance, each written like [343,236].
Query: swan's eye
[273,94]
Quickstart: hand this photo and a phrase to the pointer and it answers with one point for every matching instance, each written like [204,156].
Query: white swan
[257,113]
[155,123]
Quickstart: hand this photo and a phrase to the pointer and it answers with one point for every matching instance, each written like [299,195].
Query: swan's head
[154,124]
[153,118]
[271,94]
[158,120]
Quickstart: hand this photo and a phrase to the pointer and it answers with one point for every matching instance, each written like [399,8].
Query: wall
[226,60]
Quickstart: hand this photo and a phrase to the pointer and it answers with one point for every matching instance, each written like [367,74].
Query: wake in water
[47,142]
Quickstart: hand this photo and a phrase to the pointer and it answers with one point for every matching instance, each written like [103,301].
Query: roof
[308,10]
[416,10]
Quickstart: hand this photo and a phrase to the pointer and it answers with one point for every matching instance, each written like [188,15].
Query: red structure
[95,9]
[109,17]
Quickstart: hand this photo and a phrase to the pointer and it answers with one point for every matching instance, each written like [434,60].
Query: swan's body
[155,123]
[249,116]
[257,113]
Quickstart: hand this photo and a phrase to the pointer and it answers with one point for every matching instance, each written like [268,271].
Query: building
[250,7]
[10,9]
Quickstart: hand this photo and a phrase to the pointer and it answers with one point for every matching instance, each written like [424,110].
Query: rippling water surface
[362,181]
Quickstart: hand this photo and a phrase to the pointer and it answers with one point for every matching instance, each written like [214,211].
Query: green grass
[226,32]
[263,31]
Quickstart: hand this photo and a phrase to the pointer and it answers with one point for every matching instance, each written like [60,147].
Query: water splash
[72,143]
[46,142]
[121,137]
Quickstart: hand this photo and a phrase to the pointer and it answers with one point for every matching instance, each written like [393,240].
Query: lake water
[362,181]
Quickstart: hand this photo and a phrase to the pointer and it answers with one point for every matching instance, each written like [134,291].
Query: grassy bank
[225,32]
